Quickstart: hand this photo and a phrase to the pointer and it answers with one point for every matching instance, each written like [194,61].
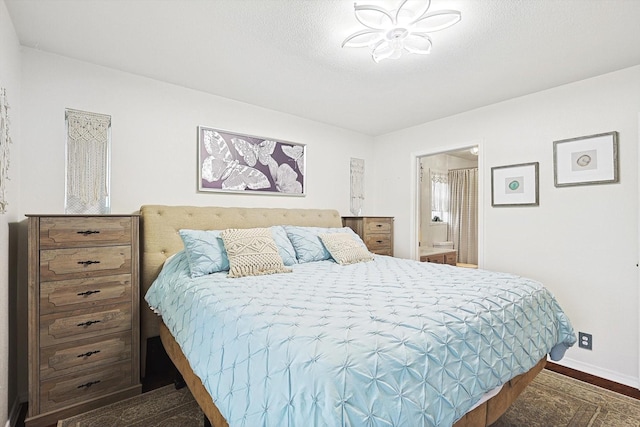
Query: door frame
[414,223]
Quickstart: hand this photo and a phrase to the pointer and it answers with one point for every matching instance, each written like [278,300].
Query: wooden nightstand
[376,232]
[83,314]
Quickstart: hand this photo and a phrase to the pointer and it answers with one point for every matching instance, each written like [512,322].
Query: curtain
[463,212]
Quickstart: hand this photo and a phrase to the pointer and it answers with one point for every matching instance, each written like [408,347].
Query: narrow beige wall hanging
[357,186]
[88,153]
[5,140]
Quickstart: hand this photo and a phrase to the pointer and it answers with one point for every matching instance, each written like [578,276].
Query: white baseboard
[599,372]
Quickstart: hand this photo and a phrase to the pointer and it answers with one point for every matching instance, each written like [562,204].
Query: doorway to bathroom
[448,207]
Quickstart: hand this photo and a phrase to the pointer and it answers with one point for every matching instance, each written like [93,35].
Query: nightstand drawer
[377,241]
[84,385]
[74,325]
[91,353]
[378,225]
[65,232]
[59,264]
[65,295]
[386,251]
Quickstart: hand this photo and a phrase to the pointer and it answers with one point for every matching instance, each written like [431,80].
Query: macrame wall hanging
[88,162]
[5,140]
[357,186]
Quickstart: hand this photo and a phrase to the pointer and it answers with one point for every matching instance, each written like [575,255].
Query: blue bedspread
[390,342]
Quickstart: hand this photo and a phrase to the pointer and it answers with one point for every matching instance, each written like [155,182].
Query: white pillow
[345,249]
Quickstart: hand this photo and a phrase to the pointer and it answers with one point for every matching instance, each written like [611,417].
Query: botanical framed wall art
[586,160]
[515,185]
[233,162]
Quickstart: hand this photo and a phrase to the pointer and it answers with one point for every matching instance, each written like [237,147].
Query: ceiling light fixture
[389,33]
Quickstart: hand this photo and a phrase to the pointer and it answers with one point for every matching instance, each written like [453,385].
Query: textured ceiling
[285,54]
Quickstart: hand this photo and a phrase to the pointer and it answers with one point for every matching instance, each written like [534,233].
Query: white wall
[581,242]
[154,148]
[10,80]
[154,141]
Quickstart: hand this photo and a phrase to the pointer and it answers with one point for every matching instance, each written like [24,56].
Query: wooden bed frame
[160,239]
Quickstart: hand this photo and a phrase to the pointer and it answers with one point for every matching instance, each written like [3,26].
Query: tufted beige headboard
[159,226]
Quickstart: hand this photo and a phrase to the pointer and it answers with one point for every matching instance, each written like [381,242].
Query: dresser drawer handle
[89,384]
[88,323]
[88,232]
[379,241]
[86,263]
[87,293]
[378,225]
[89,353]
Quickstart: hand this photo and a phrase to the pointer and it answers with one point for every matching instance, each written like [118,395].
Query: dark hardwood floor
[161,372]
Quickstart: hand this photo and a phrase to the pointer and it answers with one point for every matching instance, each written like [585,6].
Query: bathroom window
[439,196]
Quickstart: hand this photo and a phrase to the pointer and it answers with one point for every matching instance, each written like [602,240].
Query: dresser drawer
[59,264]
[84,385]
[65,295]
[436,259]
[377,241]
[91,353]
[378,225]
[66,232]
[386,251]
[58,328]
[450,258]
[441,258]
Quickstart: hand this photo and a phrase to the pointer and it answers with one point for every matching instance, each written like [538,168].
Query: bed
[316,376]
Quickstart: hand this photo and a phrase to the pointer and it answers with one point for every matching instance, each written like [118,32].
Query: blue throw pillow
[205,252]
[307,243]
[285,248]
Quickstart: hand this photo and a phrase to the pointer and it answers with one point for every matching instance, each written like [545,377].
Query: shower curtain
[463,213]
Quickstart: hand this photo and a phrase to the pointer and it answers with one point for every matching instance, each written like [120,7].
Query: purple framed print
[233,162]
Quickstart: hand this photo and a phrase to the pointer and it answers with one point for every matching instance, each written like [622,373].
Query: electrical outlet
[585,341]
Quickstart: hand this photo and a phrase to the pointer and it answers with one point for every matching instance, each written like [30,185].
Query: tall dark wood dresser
[83,314]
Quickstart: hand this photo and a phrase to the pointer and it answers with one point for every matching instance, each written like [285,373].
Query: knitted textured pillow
[252,252]
[345,249]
